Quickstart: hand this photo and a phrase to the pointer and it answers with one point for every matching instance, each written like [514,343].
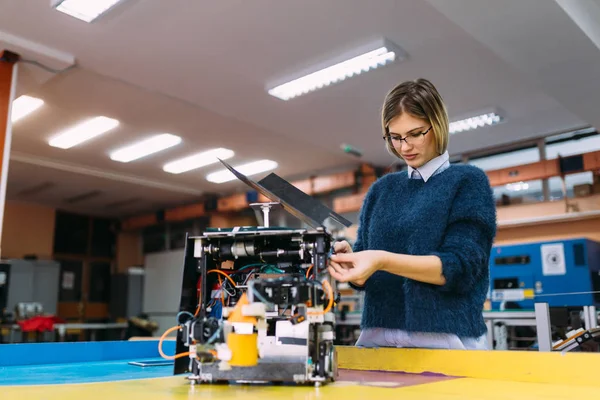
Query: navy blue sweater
[453,216]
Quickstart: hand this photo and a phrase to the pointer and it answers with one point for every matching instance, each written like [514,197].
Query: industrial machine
[564,274]
[256,303]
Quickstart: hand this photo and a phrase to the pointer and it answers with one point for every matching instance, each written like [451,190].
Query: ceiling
[199,70]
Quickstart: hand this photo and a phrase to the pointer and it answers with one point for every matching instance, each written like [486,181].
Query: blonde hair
[420,99]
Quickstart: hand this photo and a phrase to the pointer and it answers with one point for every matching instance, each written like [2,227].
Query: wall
[129,251]
[230,220]
[27,229]
[589,228]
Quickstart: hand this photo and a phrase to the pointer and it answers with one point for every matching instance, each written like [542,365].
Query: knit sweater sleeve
[469,236]
[362,240]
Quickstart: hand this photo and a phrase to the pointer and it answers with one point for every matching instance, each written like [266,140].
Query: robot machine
[257,305]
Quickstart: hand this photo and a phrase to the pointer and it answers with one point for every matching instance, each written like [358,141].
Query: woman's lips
[409,156]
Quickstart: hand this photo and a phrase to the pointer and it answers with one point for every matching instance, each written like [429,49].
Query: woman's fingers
[337,267]
[342,265]
[342,247]
[340,271]
[337,275]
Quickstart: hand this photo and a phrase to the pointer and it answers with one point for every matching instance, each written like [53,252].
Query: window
[577,143]
[154,239]
[571,181]
[99,282]
[508,159]
[178,232]
[519,192]
[583,141]
[104,238]
[71,233]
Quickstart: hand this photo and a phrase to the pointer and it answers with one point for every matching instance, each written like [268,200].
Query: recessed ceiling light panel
[475,122]
[357,62]
[83,132]
[145,147]
[198,160]
[249,169]
[85,10]
[23,106]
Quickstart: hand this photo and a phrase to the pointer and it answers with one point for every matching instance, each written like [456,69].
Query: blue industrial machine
[563,273]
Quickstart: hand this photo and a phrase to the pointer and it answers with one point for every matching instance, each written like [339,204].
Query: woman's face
[417,148]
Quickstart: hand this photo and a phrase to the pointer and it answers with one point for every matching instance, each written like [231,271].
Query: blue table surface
[79,373]
[81,362]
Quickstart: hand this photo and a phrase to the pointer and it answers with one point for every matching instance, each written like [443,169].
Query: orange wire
[218,272]
[224,274]
[160,343]
[308,271]
[176,328]
[329,304]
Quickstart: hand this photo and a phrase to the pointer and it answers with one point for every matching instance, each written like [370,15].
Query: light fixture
[85,10]
[23,106]
[252,168]
[145,147]
[83,132]
[517,186]
[198,160]
[478,121]
[366,58]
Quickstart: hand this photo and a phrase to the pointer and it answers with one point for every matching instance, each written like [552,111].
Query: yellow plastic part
[236,313]
[244,349]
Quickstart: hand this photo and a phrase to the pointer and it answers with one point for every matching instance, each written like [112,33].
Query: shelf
[509,314]
[567,217]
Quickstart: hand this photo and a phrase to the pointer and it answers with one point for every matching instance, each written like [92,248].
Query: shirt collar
[428,169]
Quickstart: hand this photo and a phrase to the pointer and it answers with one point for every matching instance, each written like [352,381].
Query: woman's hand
[342,247]
[355,267]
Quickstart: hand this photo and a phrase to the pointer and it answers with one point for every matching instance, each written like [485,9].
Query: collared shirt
[432,167]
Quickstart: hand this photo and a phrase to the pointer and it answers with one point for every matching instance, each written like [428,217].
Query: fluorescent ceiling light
[85,10]
[145,147]
[368,58]
[478,121]
[252,168]
[198,160]
[23,106]
[83,132]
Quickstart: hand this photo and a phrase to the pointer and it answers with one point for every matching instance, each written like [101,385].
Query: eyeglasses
[414,139]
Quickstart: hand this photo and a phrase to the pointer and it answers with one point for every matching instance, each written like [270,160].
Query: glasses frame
[387,136]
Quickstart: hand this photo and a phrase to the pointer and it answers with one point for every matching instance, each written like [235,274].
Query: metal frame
[543,327]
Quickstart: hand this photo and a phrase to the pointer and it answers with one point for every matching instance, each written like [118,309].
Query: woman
[425,235]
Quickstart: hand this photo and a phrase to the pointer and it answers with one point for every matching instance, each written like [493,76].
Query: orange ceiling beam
[8,79]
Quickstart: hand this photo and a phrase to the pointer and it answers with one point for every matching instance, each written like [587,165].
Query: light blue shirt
[431,168]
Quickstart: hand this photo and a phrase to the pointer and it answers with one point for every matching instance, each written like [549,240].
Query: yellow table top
[411,374]
[177,389]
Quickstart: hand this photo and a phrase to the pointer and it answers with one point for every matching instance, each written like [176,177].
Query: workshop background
[93,235]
